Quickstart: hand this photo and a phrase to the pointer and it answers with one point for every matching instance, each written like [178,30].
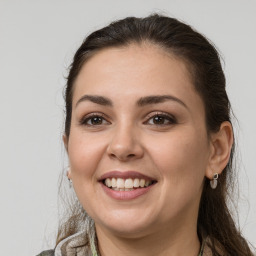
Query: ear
[65,141]
[221,144]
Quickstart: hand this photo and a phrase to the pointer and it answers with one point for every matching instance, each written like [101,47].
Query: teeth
[126,184]
[136,183]
[142,183]
[120,183]
[108,182]
[113,182]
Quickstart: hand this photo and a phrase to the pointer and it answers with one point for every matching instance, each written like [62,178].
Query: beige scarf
[79,245]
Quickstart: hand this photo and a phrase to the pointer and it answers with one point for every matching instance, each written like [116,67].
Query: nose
[125,144]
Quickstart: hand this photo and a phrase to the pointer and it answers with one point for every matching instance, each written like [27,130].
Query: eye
[161,119]
[94,120]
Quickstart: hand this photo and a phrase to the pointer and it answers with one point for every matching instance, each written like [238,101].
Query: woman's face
[137,119]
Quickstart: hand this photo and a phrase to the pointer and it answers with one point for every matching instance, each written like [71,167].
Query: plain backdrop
[37,41]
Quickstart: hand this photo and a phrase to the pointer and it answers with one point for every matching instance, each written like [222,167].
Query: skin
[178,154]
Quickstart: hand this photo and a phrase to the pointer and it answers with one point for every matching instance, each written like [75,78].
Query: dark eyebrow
[148,100]
[96,99]
[158,99]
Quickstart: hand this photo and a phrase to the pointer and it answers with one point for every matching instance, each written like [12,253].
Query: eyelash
[84,120]
[171,119]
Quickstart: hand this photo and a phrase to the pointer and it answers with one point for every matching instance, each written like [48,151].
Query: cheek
[84,153]
[182,158]
[181,161]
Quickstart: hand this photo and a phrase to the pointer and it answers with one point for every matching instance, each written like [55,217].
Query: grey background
[37,41]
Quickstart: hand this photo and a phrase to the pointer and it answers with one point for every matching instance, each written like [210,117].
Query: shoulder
[46,253]
[76,244]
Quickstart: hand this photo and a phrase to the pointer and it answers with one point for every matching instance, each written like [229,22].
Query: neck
[167,241]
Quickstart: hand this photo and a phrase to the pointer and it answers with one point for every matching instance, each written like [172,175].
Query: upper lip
[125,175]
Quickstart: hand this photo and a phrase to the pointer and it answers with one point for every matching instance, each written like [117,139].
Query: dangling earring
[70,181]
[214,181]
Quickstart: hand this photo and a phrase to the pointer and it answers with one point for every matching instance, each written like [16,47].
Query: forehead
[134,70]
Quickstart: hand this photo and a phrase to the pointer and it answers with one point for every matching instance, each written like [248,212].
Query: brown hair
[204,64]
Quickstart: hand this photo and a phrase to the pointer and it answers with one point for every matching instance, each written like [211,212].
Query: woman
[150,144]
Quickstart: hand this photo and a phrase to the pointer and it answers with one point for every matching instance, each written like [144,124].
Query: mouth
[126,181]
[128,184]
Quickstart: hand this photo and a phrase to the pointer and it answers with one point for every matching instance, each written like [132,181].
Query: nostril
[125,149]
[131,155]
[122,156]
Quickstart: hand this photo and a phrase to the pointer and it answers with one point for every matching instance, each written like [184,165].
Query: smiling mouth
[128,184]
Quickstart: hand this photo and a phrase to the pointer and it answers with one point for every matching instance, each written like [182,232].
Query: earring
[214,181]
[70,181]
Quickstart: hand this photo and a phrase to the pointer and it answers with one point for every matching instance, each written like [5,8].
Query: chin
[127,230]
[125,223]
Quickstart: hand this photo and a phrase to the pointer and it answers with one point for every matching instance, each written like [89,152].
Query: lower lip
[126,195]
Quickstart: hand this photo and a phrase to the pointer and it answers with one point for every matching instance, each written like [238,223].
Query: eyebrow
[143,101]
[155,99]
[104,101]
